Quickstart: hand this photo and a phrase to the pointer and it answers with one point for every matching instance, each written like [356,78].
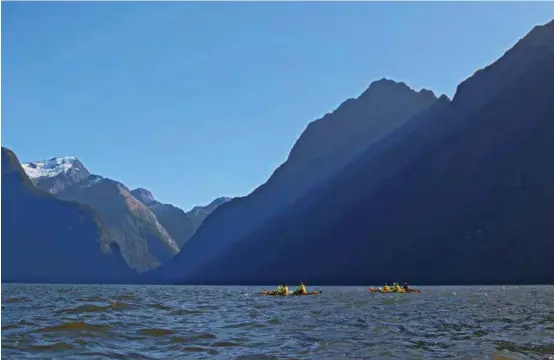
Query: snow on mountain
[55,174]
[49,168]
[47,240]
[144,242]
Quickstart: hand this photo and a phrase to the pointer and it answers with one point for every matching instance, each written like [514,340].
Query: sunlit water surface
[157,322]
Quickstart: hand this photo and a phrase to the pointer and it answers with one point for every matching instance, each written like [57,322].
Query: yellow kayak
[275,293]
[381,291]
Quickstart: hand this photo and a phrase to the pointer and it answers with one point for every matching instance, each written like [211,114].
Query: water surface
[181,322]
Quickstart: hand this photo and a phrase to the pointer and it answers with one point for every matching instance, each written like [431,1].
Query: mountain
[177,223]
[55,174]
[47,240]
[143,241]
[199,213]
[145,196]
[324,148]
[462,194]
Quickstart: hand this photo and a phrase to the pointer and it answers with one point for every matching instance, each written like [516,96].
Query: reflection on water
[155,322]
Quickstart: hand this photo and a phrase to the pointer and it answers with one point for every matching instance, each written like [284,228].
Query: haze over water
[156,322]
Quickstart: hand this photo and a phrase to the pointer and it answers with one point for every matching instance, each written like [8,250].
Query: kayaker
[396,287]
[280,289]
[386,287]
[406,287]
[301,289]
[285,289]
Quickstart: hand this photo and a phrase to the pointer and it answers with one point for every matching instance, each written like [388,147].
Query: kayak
[380,291]
[274,293]
[308,293]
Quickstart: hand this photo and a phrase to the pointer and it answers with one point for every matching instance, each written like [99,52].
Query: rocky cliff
[323,149]
[460,194]
[45,239]
[144,242]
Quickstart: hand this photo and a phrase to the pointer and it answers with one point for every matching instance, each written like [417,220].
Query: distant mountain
[199,213]
[177,223]
[45,239]
[144,242]
[145,196]
[462,194]
[55,174]
[323,149]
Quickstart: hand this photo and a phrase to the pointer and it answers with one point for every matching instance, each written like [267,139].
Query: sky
[199,100]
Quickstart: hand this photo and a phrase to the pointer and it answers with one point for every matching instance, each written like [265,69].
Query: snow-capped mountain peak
[52,167]
[56,173]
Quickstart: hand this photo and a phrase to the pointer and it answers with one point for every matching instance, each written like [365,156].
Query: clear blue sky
[199,100]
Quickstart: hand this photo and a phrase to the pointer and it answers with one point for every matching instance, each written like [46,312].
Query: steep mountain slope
[144,242]
[463,198]
[199,213]
[45,239]
[327,145]
[177,223]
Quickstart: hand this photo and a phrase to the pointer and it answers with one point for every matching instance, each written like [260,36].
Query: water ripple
[154,322]
[76,326]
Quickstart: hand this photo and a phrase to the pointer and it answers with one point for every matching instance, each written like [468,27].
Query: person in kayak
[386,287]
[282,290]
[301,289]
[406,287]
[396,287]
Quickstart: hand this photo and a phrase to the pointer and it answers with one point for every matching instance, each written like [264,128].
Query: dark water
[149,322]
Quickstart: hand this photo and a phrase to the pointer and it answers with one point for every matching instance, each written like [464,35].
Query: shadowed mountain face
[45,239]
[143,241]
[199,213]
[323,149]
[463,196]
[178,224]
